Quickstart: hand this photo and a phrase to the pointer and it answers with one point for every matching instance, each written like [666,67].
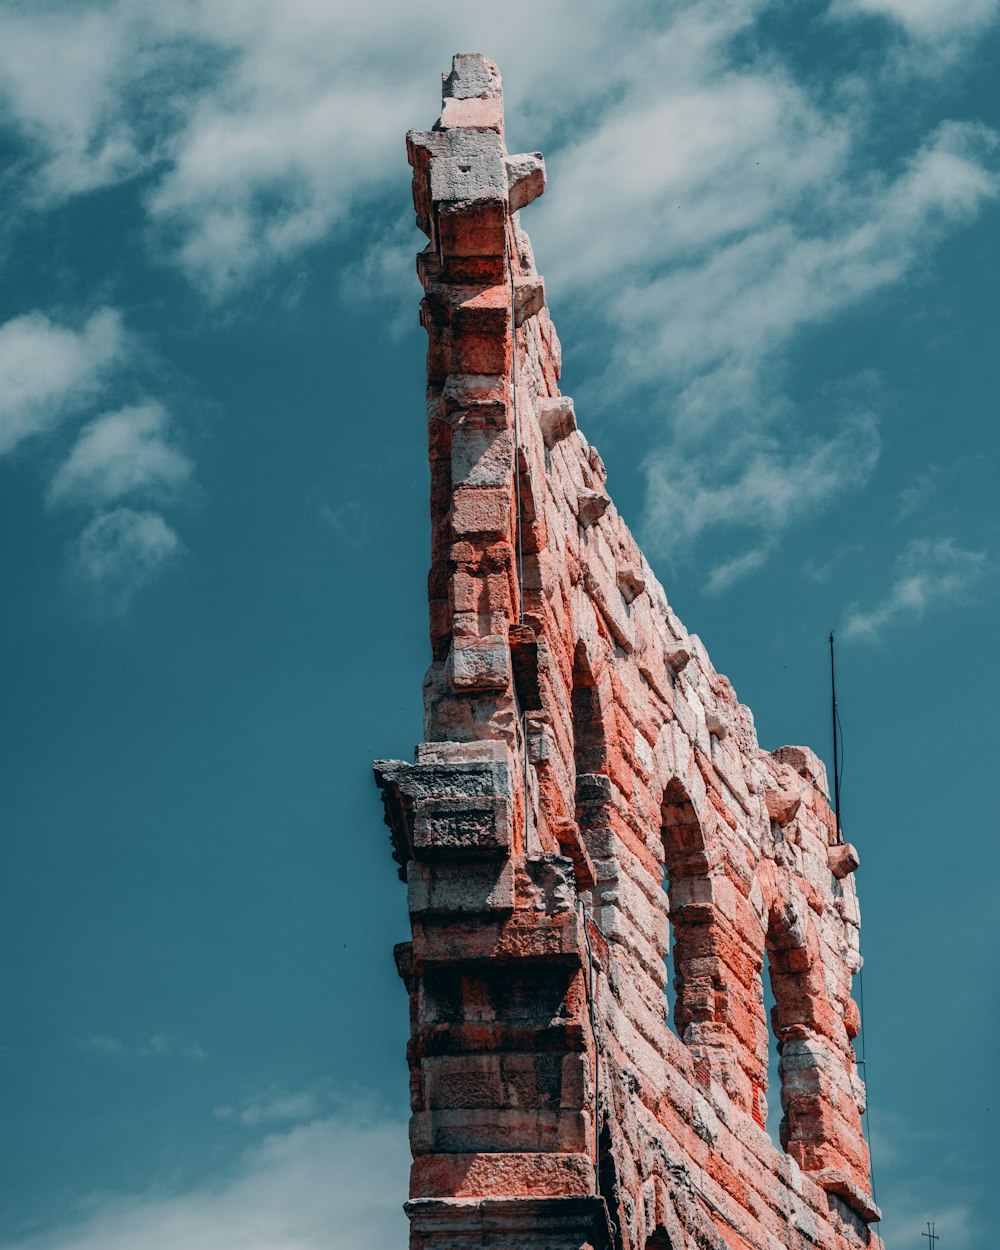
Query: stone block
[506,1175]
[481,457]
[481,511]
[467,1130]
[630,582]
[480,663]
[525,178]
[591,505]
[844,860]
[457,889]
[462,828]
[474,113]
[556,418]
[782,805]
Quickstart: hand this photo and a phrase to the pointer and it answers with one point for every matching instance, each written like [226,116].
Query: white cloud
[928,573]
[386,273]
[749,297]
[61,71]
[754,483]
[917,492]
[47,371]
[161,1044]
[276,1106]
[753,220]
[49,374]
[936,21]
[129,452]
[157,1045]
[708,206]
[906,1208]
[338,1181]
[121,551]
[105,1044]
[263,128]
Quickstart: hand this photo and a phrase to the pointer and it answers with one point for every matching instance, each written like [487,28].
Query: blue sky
[770,245]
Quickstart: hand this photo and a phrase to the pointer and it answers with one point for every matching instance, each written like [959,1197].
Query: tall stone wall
[590,796]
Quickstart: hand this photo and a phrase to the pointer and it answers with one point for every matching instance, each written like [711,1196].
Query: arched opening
[772,1121]
[592,791]
[793,997]
[689,996]
[608,1186]
[590,749]
[673,982]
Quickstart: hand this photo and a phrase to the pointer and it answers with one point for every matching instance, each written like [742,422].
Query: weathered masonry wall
[591,794]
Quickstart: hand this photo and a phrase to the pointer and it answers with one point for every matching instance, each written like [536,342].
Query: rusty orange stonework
[591,796]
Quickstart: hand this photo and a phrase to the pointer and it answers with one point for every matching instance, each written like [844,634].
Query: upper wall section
[572,722]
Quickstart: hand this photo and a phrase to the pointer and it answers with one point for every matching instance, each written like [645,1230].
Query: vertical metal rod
[519,540]
[836,751]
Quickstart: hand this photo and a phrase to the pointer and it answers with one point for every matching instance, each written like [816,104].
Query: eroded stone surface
[590,795]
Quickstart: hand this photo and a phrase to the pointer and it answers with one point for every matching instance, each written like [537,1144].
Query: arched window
[795,1003]
[771,1092]
[609,1187]
[689,996]
[589,738]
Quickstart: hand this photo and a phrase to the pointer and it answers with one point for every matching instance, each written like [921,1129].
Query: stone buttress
[590,795]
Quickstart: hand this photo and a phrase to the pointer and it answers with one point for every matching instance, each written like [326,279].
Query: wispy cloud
[157,1045]
[751,483]
[908,1208]
[338,1181]
[773,230]
[62,71]
[126,453]
[50,371]
[161,1044]
[936,22]
[51,375]
[347,518]
[929,573]
[917,492]
[278,1106]
[707,201]
[385,273]
[104,1044]
[119,553]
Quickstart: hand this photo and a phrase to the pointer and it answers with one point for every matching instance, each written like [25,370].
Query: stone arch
[718,942]
[665,1212]
[592,720]
[609,1185]
[685,863]
[589,712]
[798,1020]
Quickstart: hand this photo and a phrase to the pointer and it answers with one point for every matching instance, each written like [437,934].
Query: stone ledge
[837,1182]
[530,1223]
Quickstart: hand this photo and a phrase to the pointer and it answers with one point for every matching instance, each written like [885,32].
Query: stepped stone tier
[590,797]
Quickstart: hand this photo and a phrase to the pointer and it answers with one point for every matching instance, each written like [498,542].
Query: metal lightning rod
[836,751]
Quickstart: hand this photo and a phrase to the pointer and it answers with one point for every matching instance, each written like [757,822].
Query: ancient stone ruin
[590,798]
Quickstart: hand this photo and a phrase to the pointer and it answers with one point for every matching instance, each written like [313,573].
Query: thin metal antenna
[931,1236]
[836,749]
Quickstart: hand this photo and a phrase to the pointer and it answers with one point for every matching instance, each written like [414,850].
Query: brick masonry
[590,796]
